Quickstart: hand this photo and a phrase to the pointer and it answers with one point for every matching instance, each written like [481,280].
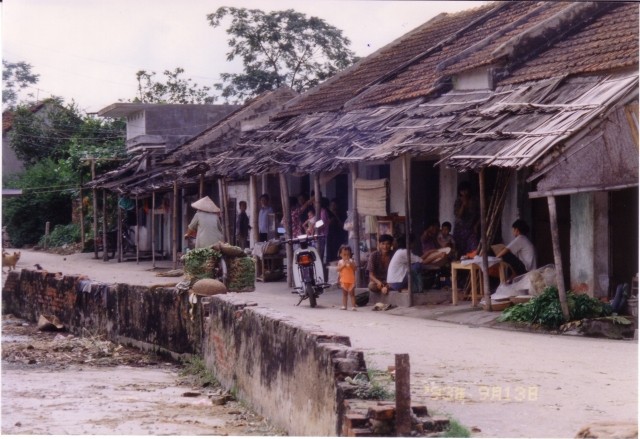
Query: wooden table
[476,278]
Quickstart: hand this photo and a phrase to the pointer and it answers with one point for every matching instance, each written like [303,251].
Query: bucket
[632,303]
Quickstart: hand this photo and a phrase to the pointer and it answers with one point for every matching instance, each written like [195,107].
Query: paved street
[504,383]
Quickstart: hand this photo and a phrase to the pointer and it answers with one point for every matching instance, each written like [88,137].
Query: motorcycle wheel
[311,293]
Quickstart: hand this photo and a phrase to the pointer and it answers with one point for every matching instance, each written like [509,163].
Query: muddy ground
[105,388]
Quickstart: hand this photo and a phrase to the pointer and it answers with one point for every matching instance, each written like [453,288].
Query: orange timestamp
[518,393]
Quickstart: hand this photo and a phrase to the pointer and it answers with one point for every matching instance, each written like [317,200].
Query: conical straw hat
[206,204]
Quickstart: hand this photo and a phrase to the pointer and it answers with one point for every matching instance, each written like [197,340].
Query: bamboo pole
[483,238]
[119,238]
[153,229]
[94,193]
[105,244]
[224,200]
[406,174]
[316,205]
[174,225]
[557,256]
[81,215]
[201,187]
[356,221]
[286,220]
[253,188]
[137,232]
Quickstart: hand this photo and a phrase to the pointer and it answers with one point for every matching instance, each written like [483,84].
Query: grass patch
[456,430]
[374,384]
[197,372]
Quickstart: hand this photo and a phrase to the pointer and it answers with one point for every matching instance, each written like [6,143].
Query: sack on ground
[208,287]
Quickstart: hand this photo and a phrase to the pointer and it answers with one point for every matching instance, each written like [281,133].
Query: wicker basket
[519,299]
[500,305]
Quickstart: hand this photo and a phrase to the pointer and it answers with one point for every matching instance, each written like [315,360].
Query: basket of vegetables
[202,263]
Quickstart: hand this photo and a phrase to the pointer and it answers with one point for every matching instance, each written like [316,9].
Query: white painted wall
[396,187]
[477,79]
[510,211]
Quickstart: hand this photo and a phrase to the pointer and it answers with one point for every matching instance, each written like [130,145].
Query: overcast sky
[89,50]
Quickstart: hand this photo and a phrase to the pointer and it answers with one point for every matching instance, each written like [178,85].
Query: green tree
[175,89]
[277,49]
[44,134]
[53,176]
[15,77]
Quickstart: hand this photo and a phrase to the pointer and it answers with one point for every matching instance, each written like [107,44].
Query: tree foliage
[280,48]
[36,135]
[175,89]
[55,147]
[15,77]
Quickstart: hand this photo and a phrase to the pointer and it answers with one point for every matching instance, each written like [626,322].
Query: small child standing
[347,276]
[445,239]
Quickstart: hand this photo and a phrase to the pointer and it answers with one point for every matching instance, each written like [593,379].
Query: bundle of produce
[228,249]
[241,274]
[202,263]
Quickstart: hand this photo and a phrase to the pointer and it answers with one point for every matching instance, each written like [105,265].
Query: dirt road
[501,383]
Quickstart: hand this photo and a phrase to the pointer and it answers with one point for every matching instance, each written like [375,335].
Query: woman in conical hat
[205,225]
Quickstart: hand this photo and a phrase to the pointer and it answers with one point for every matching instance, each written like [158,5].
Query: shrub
[61,235]
[545,309]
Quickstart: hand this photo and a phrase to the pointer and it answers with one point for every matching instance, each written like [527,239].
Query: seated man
[520,253]
[398,273]
[378,265]
[431,248]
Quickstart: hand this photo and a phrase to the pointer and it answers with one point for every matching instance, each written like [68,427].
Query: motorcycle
[308,272]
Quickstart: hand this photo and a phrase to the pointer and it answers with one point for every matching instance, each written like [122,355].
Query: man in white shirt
[397,273]
[520,253]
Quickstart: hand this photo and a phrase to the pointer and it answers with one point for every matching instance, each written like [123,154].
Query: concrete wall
[287,371]
[582,240]
[296,368]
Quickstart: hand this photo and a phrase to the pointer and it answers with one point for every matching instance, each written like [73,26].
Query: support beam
[253,188]
[406,174]
[94,193]
[286,220]
[174,225]
[356,221]
[105,244]
[224,201]
[137,231]
[153,229]
[483,242]
[557,256]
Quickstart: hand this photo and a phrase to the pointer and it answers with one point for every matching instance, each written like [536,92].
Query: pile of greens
[545,309]
[202,263]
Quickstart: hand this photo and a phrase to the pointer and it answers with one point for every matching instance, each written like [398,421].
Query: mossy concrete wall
[297,368]
[289,372]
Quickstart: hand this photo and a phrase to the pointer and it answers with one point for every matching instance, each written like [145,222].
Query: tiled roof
[333,93]
[609,43]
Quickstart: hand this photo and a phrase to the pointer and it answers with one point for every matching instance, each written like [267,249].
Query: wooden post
[81,216]
[253,188]
[119,237]
[316,206]
[356,221]
[403,395]
[484,243]
[286,220]
[174,226]
[406,174]
[137,232]
[201,188]
[94,193]
[105,244]
[557,256]
[224,201]
[153,229]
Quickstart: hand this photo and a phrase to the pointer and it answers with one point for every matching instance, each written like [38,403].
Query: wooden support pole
[403,395]
[253,188]
[286,221]
[201,188]
[119,229]
[94,193]
[484,243]
[317,207]
[81,216]
[406,174]
[557,256]
[153,229]
[47,227]
[137,232]
[224,201]
[356,221]
[174,225]
[105,244]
